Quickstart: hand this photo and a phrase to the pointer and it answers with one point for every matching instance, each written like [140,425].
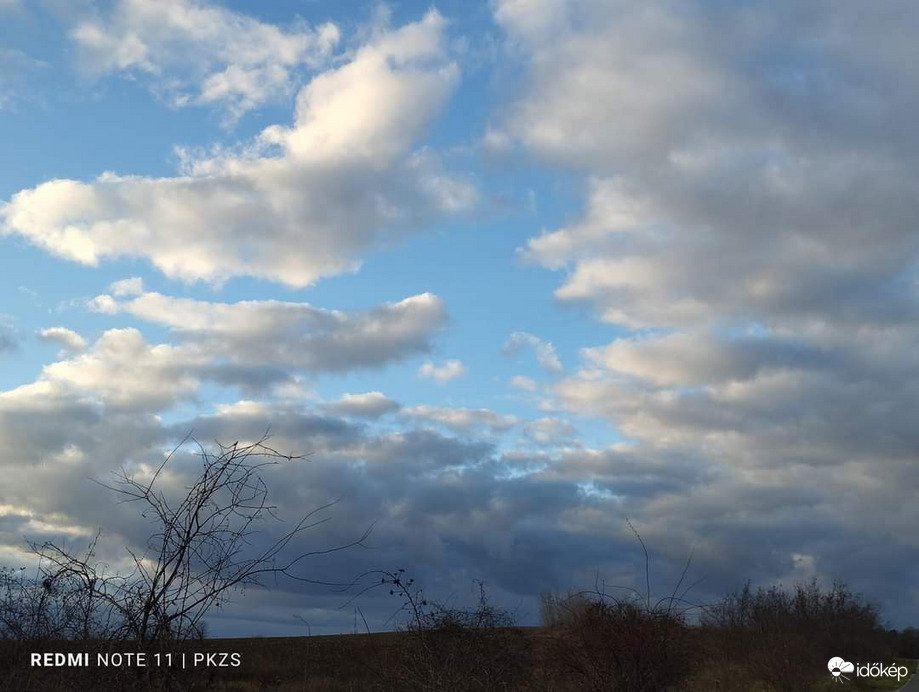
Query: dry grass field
[542,659]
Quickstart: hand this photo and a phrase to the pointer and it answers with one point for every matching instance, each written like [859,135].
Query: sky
[509,271]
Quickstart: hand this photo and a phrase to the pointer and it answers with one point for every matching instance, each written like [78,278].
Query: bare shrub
[200,552]
[556,610]
[631,643]
[58,602]
[454,648]
[785,637]
[619,644]
[904,643]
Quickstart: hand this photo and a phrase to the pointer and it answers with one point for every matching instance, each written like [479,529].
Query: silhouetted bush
[199,553]
[785,637]
[599,643]
[904,643]
[452,648]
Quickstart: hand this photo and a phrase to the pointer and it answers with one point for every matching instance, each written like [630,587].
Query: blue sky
[572,260]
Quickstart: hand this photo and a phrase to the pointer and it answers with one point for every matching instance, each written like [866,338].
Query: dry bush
[785,637]
[600,643]
[556,610]
[904,643]
[629,644]
[453,648]
[51,605]
[200,552]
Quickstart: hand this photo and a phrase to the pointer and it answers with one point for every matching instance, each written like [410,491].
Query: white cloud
[592,66]
[127,287]
[69,340]
[278,334]
[197,52]
[260,346]
[683,359]
[723,185]
[462,420]
[300,203]
[532,19]
[545,351]
[443,373]
[367,405]
[527,384]
[123,371]
[550,431]
[104,304]
[747,217]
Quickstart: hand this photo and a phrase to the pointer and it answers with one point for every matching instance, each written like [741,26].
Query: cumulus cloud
[67,339]
[127,287]
[57,440]
[749,224]
[462,420]
[443,373]
[201,53]
[527,520]
[550,431]
[272,333]
[684,359]
[367,405]
[527,384]
[723,183]
[452,508]
[124,371]
[299,202]
[429,493]
[258,346]
[545,351]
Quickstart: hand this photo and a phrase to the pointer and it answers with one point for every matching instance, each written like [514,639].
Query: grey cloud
[446,509]
[727,202]
[442,508]
[687,359]
[750,222]
[462,420]
[251,379]
[434,498]
[366,405]
[550,431]
[294,335]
